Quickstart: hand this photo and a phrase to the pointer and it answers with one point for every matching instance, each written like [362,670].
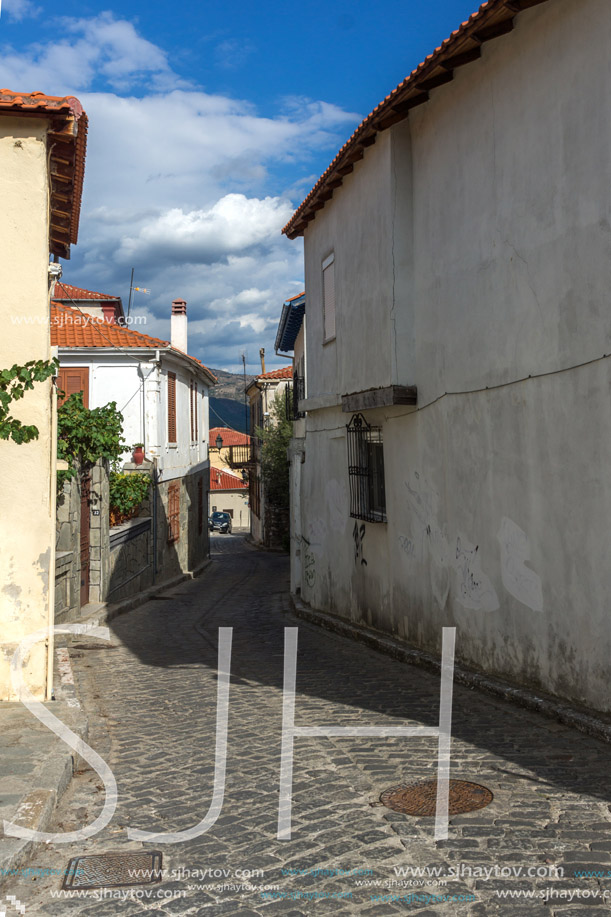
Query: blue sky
[209,122]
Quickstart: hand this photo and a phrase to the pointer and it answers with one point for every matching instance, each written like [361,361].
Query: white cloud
[233,224]
[182,184]
[98,48]
[20,9]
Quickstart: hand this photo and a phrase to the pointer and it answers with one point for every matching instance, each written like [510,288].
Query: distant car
[220,522]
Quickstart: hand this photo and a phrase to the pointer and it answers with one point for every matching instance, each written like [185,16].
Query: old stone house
[162,393]
[457,268]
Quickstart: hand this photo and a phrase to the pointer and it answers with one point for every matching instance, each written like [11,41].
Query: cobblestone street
[151,697]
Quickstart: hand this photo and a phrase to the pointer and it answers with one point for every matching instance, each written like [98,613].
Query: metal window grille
[366,471]
[173,513]
[294,394]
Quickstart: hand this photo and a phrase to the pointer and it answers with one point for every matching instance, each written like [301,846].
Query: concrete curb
[106,612]
[50,782]
[592,725]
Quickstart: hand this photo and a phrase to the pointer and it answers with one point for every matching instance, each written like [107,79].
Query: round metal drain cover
[421,798]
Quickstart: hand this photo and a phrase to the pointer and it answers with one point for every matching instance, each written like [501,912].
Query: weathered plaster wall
[498,501]
[26,523]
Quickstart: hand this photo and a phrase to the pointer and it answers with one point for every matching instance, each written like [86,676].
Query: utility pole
[245,398]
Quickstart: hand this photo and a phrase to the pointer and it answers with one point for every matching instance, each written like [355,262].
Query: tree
[14,383]
[275,439]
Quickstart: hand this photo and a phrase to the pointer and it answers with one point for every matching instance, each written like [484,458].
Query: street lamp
[219,442]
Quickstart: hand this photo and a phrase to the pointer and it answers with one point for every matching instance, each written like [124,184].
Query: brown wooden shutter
[173,513]
[200,506]
[195,410]
[73,379]
[191,407]
[171,407]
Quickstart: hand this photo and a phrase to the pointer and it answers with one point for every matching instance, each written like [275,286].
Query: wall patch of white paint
[336,498]
[475,590]
[518,579]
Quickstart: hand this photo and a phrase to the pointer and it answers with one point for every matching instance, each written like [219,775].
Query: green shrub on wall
[127,491]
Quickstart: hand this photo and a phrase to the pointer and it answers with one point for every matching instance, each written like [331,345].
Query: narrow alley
[151,696]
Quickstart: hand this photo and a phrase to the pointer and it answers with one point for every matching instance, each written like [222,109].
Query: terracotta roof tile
[224,480]
[67,149]
[62,291]
[72,328]
[493,18]
[285,372]
[230,437]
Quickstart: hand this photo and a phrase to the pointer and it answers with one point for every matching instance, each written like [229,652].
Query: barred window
[366,471]
[173,513]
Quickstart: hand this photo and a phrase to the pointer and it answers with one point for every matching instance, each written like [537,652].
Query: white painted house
[458,432]
[162,393]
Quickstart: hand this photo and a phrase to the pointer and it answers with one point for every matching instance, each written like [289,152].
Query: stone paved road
[152,697]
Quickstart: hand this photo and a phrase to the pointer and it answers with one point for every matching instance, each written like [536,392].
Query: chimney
[178,325]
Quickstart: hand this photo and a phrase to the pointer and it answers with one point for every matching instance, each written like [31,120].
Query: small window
[171,407]
[173,513]
[366,471]
[328,296]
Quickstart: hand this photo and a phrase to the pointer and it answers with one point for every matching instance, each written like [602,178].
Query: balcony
[293,395]
[240,456]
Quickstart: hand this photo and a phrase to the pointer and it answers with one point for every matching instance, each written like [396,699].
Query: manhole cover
[421,798]
[112,870]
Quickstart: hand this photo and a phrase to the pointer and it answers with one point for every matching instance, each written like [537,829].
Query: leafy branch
[14,383]
[86,435]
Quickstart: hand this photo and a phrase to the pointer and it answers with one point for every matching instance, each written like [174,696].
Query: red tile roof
[67,148]
[72,328]
[63,291]
[493,18]
[38,101]
[223,480]
[285,372]
[230,437]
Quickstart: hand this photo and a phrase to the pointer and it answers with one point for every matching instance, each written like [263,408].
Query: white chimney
[178,325]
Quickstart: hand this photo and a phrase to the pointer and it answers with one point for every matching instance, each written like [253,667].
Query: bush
[127,491]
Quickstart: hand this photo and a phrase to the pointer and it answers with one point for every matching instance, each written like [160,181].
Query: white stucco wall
[493,204]
[27,470]
[140,391]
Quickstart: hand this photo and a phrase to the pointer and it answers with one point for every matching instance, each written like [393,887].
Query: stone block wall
[130,567]
[67,552]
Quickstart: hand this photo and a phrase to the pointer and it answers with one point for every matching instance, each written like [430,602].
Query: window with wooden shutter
[200,506]
[173,513]
[191,407]
[171,407]
[328,295]
[73,379]
[195,411]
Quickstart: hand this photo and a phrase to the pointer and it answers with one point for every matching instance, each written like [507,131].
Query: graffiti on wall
[358,535]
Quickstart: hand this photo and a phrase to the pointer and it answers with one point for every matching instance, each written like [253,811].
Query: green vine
[86,435]
[126,493]
[14,383]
